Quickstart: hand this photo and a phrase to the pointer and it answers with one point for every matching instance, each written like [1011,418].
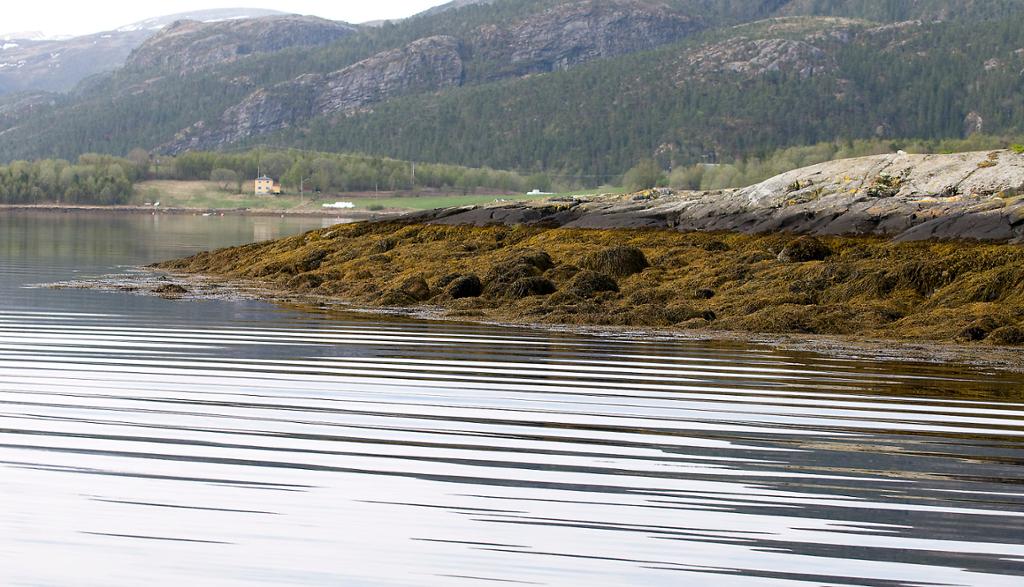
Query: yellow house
[266,186]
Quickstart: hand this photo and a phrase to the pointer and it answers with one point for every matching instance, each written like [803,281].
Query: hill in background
[581,88]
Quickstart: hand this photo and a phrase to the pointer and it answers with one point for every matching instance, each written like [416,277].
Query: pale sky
[75,17]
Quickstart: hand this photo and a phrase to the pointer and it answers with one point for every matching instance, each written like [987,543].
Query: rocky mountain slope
[716,97]
[571,34]
[425,65]
[186,45]
[453,5]
[555,39]
[56,65]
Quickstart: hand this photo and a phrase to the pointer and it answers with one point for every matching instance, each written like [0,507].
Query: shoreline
[778,283]
[156,282]
[930,300]
[355,215]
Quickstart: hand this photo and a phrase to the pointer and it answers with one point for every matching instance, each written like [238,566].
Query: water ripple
[474,454]
[146,441]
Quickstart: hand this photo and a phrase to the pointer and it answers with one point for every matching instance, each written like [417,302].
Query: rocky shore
[759,260]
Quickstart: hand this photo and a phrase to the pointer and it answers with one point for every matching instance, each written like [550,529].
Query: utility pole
[302,185]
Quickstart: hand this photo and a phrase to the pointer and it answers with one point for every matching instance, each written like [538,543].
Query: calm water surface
[152,442]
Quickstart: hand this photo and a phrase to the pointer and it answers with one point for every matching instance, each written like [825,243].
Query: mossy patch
[804,249]
[587,283]
[617,261]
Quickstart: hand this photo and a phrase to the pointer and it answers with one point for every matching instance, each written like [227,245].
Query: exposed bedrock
[906,197]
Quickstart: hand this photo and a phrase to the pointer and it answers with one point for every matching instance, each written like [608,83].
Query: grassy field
[205,194]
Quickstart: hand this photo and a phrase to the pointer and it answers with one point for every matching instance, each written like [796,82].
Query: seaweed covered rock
[563,272]
[312,261]
[306,281]
[170,290]
[384,245]
[416,288]
[619,261]
[446,280]
[587,284]
[530,286]
[395,298]
[703,293]
[1007,336]
[539,259]
[941,290]
[500,278]
[715,246]
[803,249]
[680,313]
[466,286]
[527,265]
[979,329]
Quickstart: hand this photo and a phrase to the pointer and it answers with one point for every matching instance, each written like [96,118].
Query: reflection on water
[232,443]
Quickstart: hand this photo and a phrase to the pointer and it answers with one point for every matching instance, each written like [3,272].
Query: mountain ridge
[187,45]
[56,64]
[570,86]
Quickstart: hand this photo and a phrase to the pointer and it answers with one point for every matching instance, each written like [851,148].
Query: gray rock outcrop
[904,197]
[189,45]
[760,57]
[568,35]
[426,65]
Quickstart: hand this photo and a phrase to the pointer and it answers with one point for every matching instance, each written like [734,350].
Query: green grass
[431,202]
[220,202]
[198,194]
[206,195]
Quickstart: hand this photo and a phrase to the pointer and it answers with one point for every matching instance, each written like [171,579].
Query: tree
[140,159]
[539,181]
[644,175]
[224,178]
[275,164]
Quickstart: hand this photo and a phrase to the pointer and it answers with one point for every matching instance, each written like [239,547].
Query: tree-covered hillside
[580,88]
[939,80]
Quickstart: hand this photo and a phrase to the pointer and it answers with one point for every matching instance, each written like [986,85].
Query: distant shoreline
[65,208]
